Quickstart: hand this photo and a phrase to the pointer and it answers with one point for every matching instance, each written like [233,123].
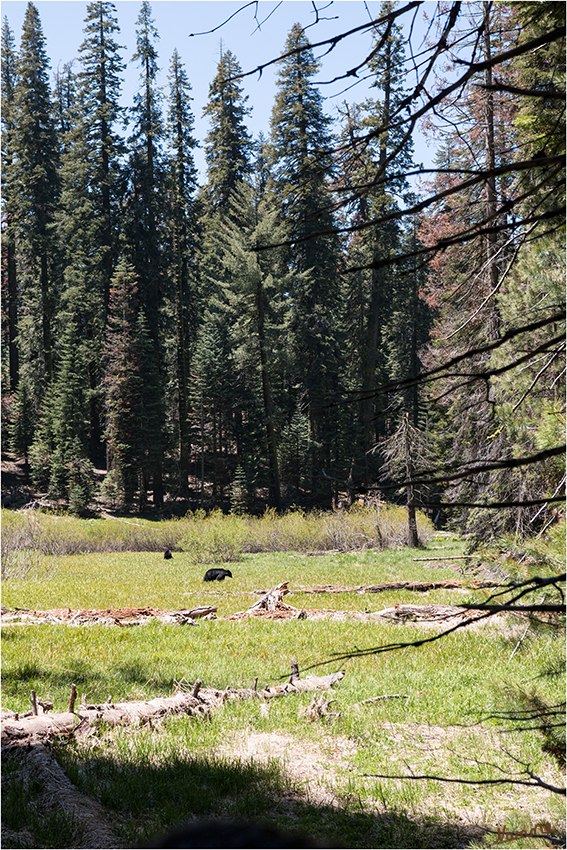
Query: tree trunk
[491,198]
[413,539]
[275,498]
[12,291]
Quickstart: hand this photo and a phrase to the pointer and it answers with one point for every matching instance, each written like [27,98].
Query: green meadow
[266,760]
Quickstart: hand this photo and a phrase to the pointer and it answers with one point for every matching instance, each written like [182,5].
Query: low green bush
[214,537]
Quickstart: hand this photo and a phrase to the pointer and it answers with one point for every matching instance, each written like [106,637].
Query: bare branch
[535,784]
[330,41]
[547,94]
[241,9]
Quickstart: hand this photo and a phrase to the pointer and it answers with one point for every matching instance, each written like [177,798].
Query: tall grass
[208,538]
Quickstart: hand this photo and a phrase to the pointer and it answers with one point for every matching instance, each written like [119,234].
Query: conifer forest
[316,318]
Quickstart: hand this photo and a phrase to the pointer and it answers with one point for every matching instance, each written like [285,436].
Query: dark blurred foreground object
[167,555]
[220,834]
[217,575]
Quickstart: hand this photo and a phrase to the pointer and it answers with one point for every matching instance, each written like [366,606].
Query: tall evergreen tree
[35,188]
[144,220]
[124,377]
[89,222]
[59,452]
[8,73]
[182,184]
[250,295]
[100,78]
[300,167]
[228,149]
[383,320]
[228,146]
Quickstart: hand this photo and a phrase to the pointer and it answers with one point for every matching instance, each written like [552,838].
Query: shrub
[26,549]
[214,539]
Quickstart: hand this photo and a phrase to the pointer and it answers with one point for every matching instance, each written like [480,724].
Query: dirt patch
[318,770]
[314,769]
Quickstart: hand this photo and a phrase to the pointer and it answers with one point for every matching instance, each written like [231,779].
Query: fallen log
[62,724]
[197,701]
[405,613]
[419,586]
[107,616]
[54,788]
[271,603]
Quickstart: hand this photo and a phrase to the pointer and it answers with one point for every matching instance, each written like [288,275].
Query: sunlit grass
[117,579]
[440,725]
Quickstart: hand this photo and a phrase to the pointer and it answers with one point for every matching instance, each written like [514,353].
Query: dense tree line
[259,339]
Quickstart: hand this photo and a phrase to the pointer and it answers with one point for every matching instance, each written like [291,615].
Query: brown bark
[413,539]
[491,197]
[199,701]
[275,496]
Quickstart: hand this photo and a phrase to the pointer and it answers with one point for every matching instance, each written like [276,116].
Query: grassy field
[267,761]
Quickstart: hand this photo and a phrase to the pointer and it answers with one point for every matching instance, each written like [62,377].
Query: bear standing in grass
[216,575]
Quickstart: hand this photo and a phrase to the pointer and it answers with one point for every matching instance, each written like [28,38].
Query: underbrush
[207,538]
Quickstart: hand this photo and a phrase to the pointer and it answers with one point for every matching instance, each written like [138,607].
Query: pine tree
[228,146]
[89,222]
[144,219]
[469,283]
[380,333]
[8,72]
[300,165]
[213,393]
[59,451]
[182,184]
[100,78]
[250,297]
[124,385]
[35,187]
[228,149]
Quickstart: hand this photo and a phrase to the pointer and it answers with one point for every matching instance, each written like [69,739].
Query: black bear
[216,575]
[167,555]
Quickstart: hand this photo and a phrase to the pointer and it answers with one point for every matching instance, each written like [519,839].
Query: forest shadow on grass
[148,800]
[90,679]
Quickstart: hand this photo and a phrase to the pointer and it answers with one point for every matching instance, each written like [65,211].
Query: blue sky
[175,20]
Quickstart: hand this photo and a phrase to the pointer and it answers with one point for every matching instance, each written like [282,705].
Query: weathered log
[270,603]
[109,616]
[420,586]
[199,701]
[45,726]
[39,726]
[403,613]
[54,787]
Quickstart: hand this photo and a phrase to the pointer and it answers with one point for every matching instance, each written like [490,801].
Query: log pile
[272,606]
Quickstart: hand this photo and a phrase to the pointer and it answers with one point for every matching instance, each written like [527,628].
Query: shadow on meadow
[146,799]
[89,678]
